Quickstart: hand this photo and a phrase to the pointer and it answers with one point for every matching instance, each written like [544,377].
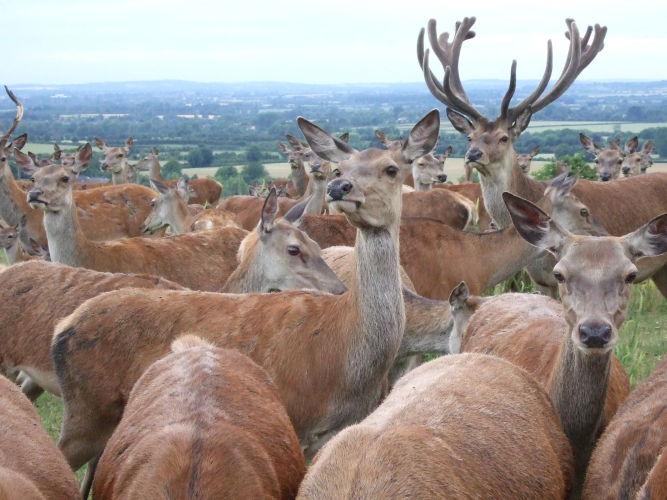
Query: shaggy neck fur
[578,390]
[316,202]
[154,169]
[182,220]
[9,211]
[249,276]
[430,325]
[507,176]
[299,179]
[64,235]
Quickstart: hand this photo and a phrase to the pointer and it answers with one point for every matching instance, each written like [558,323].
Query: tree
[576,163]
[225,173]
[172,170]
[234,185]
[253,154]
[254,172]
[200,157]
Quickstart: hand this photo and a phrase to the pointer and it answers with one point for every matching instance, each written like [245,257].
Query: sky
[310,41]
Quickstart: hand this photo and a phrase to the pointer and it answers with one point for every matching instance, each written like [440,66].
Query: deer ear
[324,144]
[535,151]
[423,136]
[521,123]
[460,122]
[269,211]
[282,148]
[448,151]
[100,144]
[459,295]
[560,186]
[183,188]
[534,226]
[295,213]
[129,142]
[84,155]
[649,240]
[345,137]
[380,136]
[648,148]
[20,141]
[588,144]
[632,145]
[24,161]
[159,186]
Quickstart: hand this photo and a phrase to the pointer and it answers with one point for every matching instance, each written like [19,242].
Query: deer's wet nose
[442,178]
[338,188]
[34,194]
[595,334]
[473,154]
[605,177]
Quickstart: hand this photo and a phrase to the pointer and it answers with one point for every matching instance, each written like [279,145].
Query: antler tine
[589,53]
[420,48]
[570,70]
[504,106]
[519,108]
[444,93]
[17,119]
[462,34]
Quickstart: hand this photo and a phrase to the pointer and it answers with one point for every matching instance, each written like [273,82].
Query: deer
[220,430]
[201,191]
[116,160]
[463,305]
[345,343]
[575,363]
[430,169]
[636,161]
[608,160]
[31,467]
[447,430]
[621,207]
[12,241]
[630,459]
[525,159]
[170,209]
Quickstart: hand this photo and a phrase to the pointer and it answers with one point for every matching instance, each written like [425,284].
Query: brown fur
[472,191]
[345,344]
[436,256]
[31,467]
[631,455]
[220,431]
[460,427]
[438,204]
[247,209]
[34,296]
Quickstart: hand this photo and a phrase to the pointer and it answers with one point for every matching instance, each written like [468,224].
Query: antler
[580,54]
[17,119]
[451,91]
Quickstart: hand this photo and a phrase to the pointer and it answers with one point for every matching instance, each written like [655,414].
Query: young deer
[635,161]
[31,467]
[464,426]
[608,160]
[13,242]
[430,169]
[346,344]
[630,459]
[463,306]
[201,191]
[621,207]
[575,361]
[115,160]
[202,422]
[524,160]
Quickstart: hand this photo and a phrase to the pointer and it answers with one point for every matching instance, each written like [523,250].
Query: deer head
[9,236]
[169,208]
[115,158]
[284,255]
[7,145]
[77,161]
[52,188]
[636,161]
[367,184]
[430,169]
[567,210]
[608,160]
[594,273]
[524,160]
[491,142]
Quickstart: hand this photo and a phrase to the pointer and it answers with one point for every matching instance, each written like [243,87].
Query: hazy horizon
[342,42]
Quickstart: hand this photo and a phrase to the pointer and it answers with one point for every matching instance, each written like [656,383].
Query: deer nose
[595,333]
[605,177]
[473,154]
[338,188]
[626,170]
[442,178]
[34,194]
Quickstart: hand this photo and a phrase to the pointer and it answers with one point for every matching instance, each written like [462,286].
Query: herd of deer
[206,349]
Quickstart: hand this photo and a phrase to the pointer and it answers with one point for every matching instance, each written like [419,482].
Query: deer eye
[336,173]
[64,179]
[559,276]
[620,160]
[391,171]
[584,212]
[504,139]
[152,203]
[293,250]
[120,156]
[32,179]
[3,159]
[630,278]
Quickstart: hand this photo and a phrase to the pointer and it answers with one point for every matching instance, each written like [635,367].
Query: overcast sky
[312,41]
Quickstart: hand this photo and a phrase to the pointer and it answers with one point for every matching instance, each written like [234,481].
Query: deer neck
[315,203]
[428,325]
[12,198]
[300,179]
[376,296]
[67,243]
[182,220]
[504,253]
[249,275]
[506,175]
[154,169]
[13,253]
[121,176]
[578,390]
